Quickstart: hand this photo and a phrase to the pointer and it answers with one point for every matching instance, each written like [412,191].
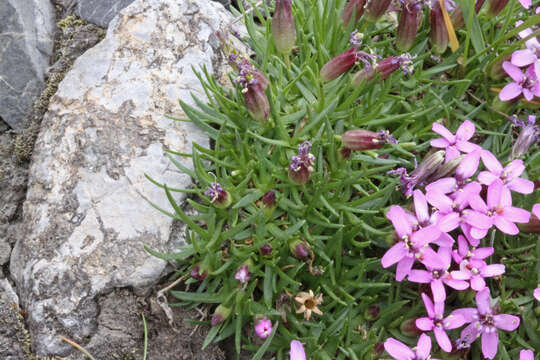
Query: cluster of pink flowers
[470,203]
[524,67]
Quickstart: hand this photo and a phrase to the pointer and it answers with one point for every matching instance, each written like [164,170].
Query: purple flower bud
[408,328]
[338,65]
[384,68]
[365,139]
[411,11]
[529,135]
[269,199]
[266,250]
[496,6]
[353,5]
[300,249]
[372,312]
[419,176]
[345,153]
[197,274]
[218,196]
[376,8]
[242,275]
[263,328]
[301,165]
[283,29]
[439,33]
[257,102]
[220,314]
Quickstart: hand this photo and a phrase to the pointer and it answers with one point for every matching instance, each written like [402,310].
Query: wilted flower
[309,303]
[283,29]
[263,328]
[242,274]
[384,68]
[297,351]
[529,134]
[302,164]
[353,5]
[411,10]
[300,249]
[376,8]
[400,351]
[218,196]
[366,140]
[484,322]
[419,176]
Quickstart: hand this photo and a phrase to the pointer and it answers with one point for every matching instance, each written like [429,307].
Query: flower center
[310,304]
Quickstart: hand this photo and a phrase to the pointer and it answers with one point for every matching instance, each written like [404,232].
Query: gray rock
[85,215]
[27,34]
[14,340]
[101,12]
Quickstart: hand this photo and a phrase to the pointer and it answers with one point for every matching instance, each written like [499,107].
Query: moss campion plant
[362,202]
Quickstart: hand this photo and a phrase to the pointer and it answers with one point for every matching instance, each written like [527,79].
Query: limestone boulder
[86,218]
[27,40]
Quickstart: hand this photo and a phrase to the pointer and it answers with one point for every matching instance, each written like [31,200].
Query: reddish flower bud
[197,274]
[376,8]
[283,29]
[378,348]
[372,312]
[408,24]
[218,196]
[439,33]
[345,153]
[269,199]
[301,165]
[457,15]
[257,102]
[356,6]
[408,328]
[266,250]
[384,68]
[300,249]
[496,6]
[533,226]
[220,314]
[364,139]
[338,65]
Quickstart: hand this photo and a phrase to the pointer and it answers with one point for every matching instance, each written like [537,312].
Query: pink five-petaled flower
[510,175]
[483,322]
[400,351]
[525,3]
[529,55]
[499,211]
[526,84]
[475,271]
[263,328]
[436,322]
[474,255]
[454,144]
[297,351]
[242,274]
[411,246]
[526,355]
[424,219]
[439,276]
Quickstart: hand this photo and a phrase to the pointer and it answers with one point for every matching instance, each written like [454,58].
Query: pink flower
[536,210]
[476,271]
[400,351]
[436,322]
[473,255]
[242,274]
[483,322]
[510,175]
[263,328]
[526,354]
[412,245]
[526,84]
[536,293]
[439,276]
[498,209]
[297,351]
[454,144]
[525,3]
[424,219]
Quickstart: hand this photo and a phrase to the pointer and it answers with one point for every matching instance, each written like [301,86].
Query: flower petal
[456,284]
[431,259]
[520,185]
[536,293]
[429,305]
[439,143]
[505,226]
[506,322]
[477,220]
[420,276]
[437,288]
[513,71]
[468,314]
[394,254]
[454,321]
[468,166]
[510,91]
[442,339]
[536,210]
[492,270]
[439,200]
[486,177]
[297,351]
[490,343]
[423,348]
[483,300]
[494,193]
[398,350]
[420,206]
[526,354]
[491,162]
[424,324]
[404,267]
[482,253]
[444,132]
[444,185]
[523,57]
[515,214]
[525,3]
[397,216]
[425,236]
[449,222]
[478,283]
[465,130]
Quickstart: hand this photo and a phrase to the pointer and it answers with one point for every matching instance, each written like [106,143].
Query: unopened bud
[257,102]
[496,6]
[376,8]
[220,314]
[345,153]
[353,6]
[338,65]
[266,250]
[269,199]
[446,170]
[365,139]
[283,29]
[529,135]
[408,24]
[372,312]
[299,249]
[196,273]
[408,328]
